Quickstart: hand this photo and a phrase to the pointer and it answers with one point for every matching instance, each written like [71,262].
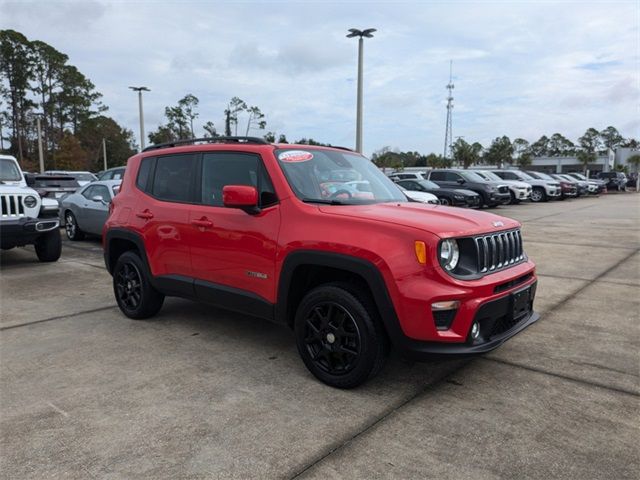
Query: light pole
[361,34]
[140,90]
[40,154]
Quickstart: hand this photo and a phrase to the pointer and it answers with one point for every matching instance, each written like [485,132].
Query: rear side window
[221,169]
[172,178]
[437,176]
[144,173]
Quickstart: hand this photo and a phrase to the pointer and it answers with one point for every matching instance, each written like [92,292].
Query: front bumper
[497,325]
[497,198]
[25,230]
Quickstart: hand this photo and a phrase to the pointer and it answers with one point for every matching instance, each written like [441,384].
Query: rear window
[51,181]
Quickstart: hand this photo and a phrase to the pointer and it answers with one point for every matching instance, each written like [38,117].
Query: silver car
[86,210]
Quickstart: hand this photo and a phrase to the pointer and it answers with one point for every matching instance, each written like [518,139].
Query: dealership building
[603,163]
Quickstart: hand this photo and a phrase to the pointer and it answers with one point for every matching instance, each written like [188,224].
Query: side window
[438,176]
[101,191]
[88,192]
[509,176]
[221,169]
[107,175]
[118,174]
[451,177]
[146,166]
[172,178]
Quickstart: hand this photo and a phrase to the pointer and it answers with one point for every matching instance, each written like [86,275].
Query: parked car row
[493,187]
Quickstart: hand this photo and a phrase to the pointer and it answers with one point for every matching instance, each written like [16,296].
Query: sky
[520,68]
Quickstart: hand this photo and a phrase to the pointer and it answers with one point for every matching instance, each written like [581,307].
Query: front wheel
[339,335]
[538,195]
[445,201]
[134,293]
[71,227]
[49,246]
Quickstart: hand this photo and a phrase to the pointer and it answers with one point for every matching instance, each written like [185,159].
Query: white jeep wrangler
[25,218]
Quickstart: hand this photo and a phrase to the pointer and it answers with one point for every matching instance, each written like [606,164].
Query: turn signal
[421,252]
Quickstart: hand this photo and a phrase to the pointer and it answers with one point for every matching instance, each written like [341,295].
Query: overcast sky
[520,68]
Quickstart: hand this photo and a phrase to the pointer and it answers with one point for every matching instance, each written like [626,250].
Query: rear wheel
[49,246]
[538,195]
[71,227]
[135,296]
[339,336]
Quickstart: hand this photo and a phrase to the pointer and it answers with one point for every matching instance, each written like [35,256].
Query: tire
[49,246]
[136,297]
[538,195]
[71,227]
[339,335]
[445,201]
[513,200]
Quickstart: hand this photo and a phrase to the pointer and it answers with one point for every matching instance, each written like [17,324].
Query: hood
[436,219]
[516,183]
[458,191]
[17,189]
[420,196]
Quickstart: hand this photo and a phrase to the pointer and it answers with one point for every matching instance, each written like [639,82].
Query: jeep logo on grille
[498,224]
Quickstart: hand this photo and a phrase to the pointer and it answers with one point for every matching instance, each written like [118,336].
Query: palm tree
[635,161]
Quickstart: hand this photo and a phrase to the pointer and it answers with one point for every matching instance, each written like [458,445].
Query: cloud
[520,68]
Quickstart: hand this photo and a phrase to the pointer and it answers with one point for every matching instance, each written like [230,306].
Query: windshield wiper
[323,201]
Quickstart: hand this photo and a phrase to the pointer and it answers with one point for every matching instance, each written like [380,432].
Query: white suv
[25,218]
[542,190]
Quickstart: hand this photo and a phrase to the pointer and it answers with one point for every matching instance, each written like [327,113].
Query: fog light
[475,330]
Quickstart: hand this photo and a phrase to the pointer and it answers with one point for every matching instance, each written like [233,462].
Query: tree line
[503,151]
[36,80]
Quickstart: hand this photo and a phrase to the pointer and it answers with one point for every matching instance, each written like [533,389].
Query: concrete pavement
[202,393]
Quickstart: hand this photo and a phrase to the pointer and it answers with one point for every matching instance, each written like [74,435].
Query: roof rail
[255,140]
[342,148]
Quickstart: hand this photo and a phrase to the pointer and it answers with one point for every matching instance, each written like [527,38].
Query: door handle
[202,223]
[146,214]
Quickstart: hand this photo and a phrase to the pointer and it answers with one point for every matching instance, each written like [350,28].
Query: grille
[11,206]
[503,189]
[499,250]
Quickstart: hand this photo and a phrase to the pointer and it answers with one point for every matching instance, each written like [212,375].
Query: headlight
[492,189]
[30,201]
[449,254]
[458,197]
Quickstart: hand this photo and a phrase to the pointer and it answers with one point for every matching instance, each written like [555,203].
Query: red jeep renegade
[321,240]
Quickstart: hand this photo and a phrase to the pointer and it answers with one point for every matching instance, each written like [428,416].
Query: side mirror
[244,197]
[98,198]
[460,181]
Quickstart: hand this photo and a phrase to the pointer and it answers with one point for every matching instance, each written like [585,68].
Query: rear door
[161,215]
[233,252]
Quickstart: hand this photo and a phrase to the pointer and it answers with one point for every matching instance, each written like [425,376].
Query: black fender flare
[356,265]
[128,235]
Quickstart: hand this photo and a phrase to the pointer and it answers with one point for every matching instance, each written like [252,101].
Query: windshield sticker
[294,156]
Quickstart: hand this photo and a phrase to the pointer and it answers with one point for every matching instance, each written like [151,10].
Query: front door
[232,251]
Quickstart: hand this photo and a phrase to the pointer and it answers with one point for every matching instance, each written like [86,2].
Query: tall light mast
[448,135]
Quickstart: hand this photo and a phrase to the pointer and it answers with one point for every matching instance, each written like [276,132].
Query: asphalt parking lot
[202,393]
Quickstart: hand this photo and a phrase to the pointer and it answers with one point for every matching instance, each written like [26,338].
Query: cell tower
[448,135]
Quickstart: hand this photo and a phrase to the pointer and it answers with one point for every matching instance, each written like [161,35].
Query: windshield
[524,176]
[338,178]
[428,184]
[544,176]
[491,176]
[472,177]
[578,175]
[84,177]
[9,171]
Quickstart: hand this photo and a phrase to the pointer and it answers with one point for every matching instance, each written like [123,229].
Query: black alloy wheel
[332,338]
[134,293]
[128,284]
[339,335]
